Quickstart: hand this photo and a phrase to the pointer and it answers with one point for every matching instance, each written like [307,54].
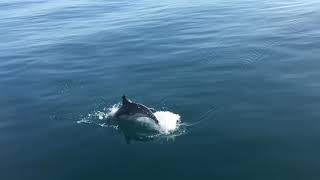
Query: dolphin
[131,109]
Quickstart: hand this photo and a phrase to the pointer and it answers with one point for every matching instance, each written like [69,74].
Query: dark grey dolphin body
[131,109]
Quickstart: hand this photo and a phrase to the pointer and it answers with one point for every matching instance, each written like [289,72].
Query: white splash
[168,121]
[112,110]
[101,115]
[83,120]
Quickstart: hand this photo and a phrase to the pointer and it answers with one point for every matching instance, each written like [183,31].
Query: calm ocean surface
[249,69]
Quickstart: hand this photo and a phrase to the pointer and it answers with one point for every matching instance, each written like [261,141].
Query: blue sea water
[249,69]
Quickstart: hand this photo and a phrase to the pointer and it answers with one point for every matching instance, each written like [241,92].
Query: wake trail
[201,119]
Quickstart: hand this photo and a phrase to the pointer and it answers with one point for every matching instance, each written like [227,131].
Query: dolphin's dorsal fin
[125,100]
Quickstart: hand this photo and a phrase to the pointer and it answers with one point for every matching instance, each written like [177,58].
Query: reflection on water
[135,131]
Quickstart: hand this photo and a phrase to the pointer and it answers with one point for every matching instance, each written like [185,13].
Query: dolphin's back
[140,108]
[130,108]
